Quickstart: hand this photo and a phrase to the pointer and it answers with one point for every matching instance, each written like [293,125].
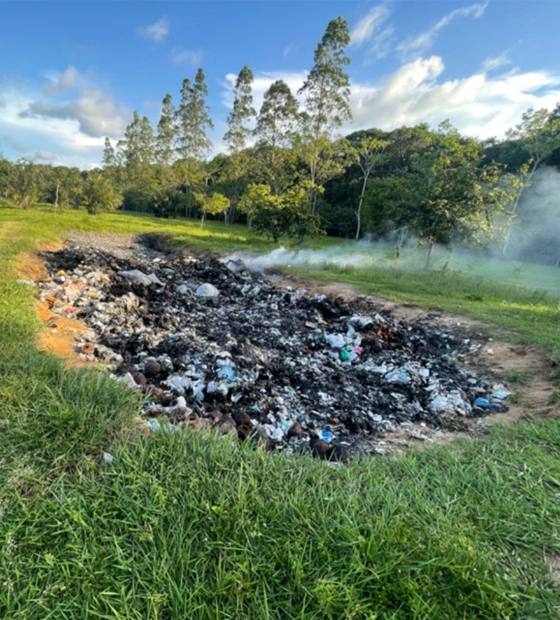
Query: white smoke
[536,229]
[345,255]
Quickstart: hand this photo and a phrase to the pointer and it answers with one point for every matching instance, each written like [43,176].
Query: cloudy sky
[72,73]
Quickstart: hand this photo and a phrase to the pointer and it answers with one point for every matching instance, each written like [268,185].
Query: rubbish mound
[214,344]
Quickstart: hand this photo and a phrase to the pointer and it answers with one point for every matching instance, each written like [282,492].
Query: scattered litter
[278,366]
[501,394]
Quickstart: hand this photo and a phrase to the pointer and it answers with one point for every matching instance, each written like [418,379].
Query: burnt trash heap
[213,344]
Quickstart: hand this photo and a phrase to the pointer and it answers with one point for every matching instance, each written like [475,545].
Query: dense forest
[288,172]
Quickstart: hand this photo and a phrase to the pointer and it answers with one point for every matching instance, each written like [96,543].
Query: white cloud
[94,111]
[156,31]
[36,125]
[62,82]
[369,24]
[287,50]
[372,29]
[477,105]
[186,58]
[416,46]
[495,62]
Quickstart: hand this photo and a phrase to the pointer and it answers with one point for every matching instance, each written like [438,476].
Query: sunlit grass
[191,525]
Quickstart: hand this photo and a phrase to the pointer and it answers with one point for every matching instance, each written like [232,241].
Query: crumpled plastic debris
[207,290]
[277,366]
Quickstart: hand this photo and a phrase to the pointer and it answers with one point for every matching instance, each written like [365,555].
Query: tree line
[287,171]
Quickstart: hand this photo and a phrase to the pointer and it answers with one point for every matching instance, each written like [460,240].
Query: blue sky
[73,72]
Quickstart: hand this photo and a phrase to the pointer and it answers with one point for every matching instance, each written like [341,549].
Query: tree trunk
[429,255]
[202,219]
[56,197]
[359,214]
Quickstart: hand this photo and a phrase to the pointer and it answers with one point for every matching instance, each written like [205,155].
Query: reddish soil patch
[30,267]
[59,334]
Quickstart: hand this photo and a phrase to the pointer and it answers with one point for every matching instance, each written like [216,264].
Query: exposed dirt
[59,335]
[527,370]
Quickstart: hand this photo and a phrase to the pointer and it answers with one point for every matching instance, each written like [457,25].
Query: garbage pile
[214,345]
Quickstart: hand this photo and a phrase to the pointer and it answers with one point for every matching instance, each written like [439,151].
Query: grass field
[186,525]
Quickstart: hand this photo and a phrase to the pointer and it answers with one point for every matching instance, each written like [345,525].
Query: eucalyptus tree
[277,121]
[327,87]
[326,93]
[138,144]
[239,119]
[193,122]
[239,132]
[278,117]
[136,175]
[109,158]
[166,133]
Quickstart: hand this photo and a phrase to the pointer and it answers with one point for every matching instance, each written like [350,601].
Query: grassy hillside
[186,525]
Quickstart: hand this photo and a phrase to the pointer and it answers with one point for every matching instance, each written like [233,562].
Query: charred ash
[214,345]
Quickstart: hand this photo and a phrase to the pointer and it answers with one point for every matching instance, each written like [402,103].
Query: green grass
[185,525]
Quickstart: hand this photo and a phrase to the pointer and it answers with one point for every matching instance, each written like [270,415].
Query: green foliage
[166,132]
[279,215]
[138,146]
[240,116]
[193,120]
[216,204]
[170,202]
[99,195]
[278,116]
[327,87]
[204,527]
[23,183]
[450,194]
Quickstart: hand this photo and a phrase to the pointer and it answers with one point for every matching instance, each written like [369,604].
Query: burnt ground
[319,369]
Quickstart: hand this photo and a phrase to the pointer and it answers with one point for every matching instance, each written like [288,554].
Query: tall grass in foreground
[190,525]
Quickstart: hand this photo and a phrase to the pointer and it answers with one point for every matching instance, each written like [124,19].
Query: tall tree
[278,116]
[237,137]
[194,120]
[327,87]
[202,122]
[277,121]
[327,92]
[109,158]
[166,132]
[239,131]
[138,145]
